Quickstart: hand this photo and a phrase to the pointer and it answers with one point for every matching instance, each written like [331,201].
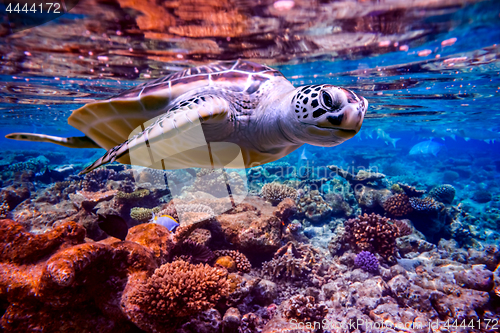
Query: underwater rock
[208,321]
[14,195]
[231,321]
[482,196]
[253,227]
[292,262]
[413,244]
[478,278]
[489,257]
[265,292]
[154,237]
[62,283]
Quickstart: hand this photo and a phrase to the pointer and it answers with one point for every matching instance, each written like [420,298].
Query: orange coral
[227,262]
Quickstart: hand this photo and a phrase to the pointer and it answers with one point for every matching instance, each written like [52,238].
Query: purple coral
[367,261]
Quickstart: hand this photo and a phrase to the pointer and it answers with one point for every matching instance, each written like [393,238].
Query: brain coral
[372,233]
[398,205]
[275,192]
[443,193]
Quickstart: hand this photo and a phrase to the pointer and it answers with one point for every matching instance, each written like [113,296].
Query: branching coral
[242,263]
[176,289]
[276,192]
[398,205]
[372,233]
[292,261]
[404,227]
[443,193]
[366,261]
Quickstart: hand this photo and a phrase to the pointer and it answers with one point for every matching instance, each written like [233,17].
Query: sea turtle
[237,108]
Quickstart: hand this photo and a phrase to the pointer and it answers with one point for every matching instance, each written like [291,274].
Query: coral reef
[398,205]
[443,193]
[372,233]
[367,261]
[59,279]
[276,192]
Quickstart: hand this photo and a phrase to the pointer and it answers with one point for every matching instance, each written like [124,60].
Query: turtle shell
[110,122]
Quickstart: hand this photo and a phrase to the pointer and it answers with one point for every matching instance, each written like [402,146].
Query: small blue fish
[165,220]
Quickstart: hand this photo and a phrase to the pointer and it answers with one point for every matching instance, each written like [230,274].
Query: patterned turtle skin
[240,108]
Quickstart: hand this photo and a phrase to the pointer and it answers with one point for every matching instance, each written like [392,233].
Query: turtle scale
[109,122]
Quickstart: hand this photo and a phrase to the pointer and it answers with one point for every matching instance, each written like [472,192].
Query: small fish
[113,225]
[381,134]
[165,220]
[428,147]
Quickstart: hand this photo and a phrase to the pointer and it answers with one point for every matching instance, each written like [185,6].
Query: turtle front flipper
[175,140]
[71,142]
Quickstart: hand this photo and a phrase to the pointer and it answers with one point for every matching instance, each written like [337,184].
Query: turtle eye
[329,102]
[327,99]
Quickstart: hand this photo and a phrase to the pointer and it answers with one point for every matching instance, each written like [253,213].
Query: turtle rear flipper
[175,140]
[71,142]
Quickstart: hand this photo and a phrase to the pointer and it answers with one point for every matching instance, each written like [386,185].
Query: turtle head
[326,115]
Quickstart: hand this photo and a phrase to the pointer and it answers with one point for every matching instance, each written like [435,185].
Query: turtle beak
[349,120]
